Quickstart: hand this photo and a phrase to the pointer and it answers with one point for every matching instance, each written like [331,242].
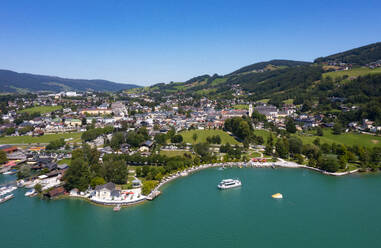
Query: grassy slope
[353,73]
[41,109]
[203,134]
[42,139]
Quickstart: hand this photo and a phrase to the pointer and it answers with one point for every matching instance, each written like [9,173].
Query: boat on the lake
[277,196]
[229,183]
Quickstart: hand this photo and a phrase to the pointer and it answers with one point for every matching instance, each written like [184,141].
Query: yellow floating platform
[277,196]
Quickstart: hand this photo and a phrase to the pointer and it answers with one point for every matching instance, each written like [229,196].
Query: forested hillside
[358,56]
[11,81]
[272,64]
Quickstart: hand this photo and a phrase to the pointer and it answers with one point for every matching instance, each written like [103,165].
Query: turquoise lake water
[316,211]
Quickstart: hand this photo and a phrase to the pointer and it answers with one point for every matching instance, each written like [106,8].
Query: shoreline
[282,164]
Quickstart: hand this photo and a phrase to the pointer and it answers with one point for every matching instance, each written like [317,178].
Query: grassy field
[203,134]
[352,73]
[65,161]
[41,109]
[41,139]
[288,101]
[241,106]
[264,100]
[174,153]
[349,139]
[263,133]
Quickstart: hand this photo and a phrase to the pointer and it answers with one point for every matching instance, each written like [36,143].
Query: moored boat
[30,192]
[117,208]
[7,190]
[6,198]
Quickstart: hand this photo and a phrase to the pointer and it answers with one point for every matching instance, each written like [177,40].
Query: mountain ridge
[11,81]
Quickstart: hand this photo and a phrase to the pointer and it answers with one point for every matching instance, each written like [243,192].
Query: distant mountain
[269,65]
[11,81]
[358,56]
[280,80]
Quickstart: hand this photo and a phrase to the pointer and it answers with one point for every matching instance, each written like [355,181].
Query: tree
[319,131]
[337,128]
[23,172]
[329,164]
[148,186]
[55,144]
[3,157]
[115,171]
[178,138]
[161,138]
[290,126]
[202,149]
[295,145]
[77,175]
[281,149]
[97,181]
[194,137]
[38,188]
[116,140]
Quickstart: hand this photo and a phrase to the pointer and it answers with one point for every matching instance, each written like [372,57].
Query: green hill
[358,56]
[269,65]
[11,81]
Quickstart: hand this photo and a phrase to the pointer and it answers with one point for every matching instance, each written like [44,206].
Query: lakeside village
[120,148]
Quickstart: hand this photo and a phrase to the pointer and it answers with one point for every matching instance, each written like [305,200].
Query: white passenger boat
[229,183]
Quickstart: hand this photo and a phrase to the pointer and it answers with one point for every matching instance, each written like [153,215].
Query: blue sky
[146,42]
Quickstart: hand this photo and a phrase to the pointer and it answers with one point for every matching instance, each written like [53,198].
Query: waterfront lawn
[255,155]
[203,134]
[174,153]
[348,139]
[40,139]
[41,109]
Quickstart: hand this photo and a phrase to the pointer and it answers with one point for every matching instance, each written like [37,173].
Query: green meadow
[44,139]
[203,134]
[41,109]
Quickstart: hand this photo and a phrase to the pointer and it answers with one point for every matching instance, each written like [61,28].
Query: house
[136,183]
[8,148]
[96,111]
[74,192]
[73,122]
[56,192]
[106,191]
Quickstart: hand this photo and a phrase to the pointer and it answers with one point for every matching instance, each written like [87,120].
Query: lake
[317,210]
